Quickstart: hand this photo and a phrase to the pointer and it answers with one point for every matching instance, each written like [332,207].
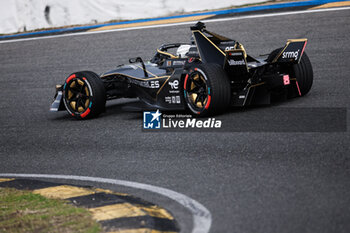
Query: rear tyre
[207,90]
[84,95]
[304,74]
[273,54]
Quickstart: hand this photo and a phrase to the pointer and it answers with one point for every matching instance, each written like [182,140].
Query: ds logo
[151,120]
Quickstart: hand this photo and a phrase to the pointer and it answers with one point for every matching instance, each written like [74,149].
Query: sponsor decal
[146,84]
[174,84]
[227,42]
[291,54]
[152,120]
[167,99]
[154,84]
[168,63]
[173,99]
[236,54]
[286,80]
[232,62]
[228,48]
[178,63]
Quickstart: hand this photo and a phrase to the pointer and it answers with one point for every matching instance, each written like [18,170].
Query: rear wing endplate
[292,51]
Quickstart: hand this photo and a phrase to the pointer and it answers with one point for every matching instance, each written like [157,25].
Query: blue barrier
[218,12]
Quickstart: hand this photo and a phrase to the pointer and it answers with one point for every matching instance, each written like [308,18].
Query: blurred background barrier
[27,15]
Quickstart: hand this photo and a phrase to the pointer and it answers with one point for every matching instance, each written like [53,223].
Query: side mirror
[136,59]
[139,59]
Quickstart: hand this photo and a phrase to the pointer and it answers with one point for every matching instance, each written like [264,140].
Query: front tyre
[207,90]
[84,95]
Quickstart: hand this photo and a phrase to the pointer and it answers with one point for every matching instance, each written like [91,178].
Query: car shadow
[130,109]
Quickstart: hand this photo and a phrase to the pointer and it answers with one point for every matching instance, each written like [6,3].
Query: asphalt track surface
[250,181]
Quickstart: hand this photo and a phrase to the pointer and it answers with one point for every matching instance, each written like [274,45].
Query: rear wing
[208,44]
[292,51]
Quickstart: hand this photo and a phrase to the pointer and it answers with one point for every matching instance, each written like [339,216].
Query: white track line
[201,216]
[178,24]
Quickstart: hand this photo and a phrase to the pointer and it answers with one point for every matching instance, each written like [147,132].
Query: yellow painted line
[63,192]
[123,210]
[140,230]
[116,211]
[148,23]
[333,4]
[5,179]
[156,211]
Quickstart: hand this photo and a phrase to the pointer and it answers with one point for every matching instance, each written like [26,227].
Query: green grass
[23,211]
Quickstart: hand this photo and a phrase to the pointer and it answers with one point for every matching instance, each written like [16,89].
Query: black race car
[205,76]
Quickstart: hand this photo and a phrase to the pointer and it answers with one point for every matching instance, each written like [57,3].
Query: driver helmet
[182,50]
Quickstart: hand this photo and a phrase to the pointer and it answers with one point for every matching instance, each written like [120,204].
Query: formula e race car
[204,76]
